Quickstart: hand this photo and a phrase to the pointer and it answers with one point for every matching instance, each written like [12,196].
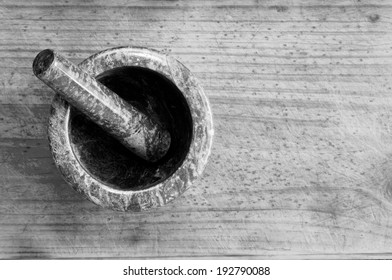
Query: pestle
[134,129]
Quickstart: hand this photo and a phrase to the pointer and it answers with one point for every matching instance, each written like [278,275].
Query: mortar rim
[160,193]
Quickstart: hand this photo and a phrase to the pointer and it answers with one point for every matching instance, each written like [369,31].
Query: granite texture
[163,181]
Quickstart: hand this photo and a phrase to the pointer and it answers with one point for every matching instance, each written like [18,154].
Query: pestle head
[136,130]
[43,61]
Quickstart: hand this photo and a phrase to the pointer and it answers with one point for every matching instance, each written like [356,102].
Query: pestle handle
[134,129]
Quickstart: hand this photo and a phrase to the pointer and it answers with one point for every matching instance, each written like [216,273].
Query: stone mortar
[99,167]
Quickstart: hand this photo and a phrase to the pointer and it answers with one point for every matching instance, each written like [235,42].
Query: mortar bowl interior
[106,159]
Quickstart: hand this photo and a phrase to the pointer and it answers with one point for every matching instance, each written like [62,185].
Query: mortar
[100,167]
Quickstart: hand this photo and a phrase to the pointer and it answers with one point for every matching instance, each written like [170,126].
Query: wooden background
[301,165]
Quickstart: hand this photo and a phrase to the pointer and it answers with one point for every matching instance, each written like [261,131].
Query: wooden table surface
[301,166]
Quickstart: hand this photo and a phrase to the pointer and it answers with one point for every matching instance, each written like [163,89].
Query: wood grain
[302,158]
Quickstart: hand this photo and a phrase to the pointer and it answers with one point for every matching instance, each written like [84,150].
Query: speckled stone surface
[133,128]
[150,185]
